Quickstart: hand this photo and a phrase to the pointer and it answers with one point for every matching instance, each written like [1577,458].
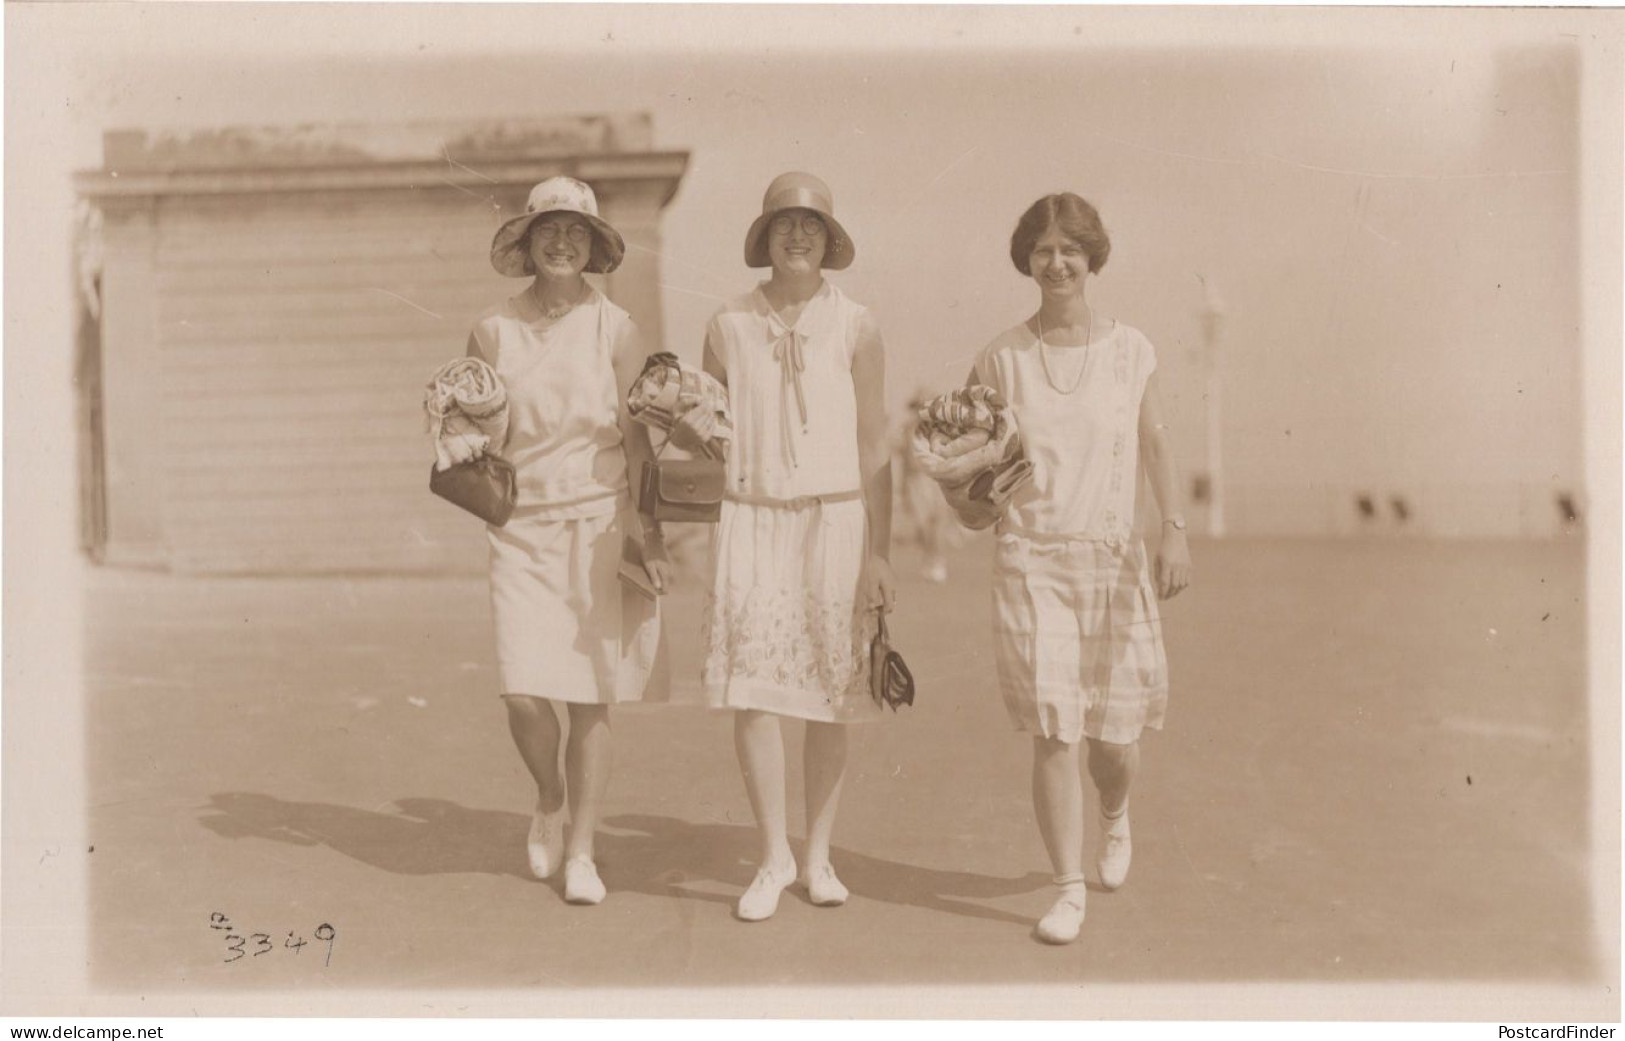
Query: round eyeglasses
[549,230]
[784,224]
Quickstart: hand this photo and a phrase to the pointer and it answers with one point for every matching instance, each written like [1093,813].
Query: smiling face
[560,245]
[796,241]
[1059,264]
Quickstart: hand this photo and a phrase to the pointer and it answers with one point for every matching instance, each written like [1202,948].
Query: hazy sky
[1393,220]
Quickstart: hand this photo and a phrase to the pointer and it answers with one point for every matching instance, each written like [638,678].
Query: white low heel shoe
[545,843]
[762,898]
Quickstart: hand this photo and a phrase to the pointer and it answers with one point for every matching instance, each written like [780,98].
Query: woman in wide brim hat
[567,629]
[510,253]
[800,551]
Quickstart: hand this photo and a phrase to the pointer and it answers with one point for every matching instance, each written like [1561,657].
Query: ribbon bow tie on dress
[787,352]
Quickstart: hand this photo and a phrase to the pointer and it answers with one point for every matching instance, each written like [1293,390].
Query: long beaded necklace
[1043,355]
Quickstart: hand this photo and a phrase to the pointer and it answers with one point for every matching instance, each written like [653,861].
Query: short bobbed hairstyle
[1076,219]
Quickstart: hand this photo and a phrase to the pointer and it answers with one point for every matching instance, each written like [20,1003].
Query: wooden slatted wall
[296,335]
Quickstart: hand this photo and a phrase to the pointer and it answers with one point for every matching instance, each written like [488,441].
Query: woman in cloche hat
[801,548]
[567,356]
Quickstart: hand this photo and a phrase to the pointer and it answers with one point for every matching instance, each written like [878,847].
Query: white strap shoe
[1062,923]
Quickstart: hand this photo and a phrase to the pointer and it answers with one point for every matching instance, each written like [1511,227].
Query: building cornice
[660,172]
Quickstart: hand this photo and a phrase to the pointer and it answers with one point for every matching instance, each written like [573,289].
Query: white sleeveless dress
[785,629]
[1077,634]
[566,627]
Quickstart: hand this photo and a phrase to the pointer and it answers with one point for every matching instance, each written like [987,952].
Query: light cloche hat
[556,195]
[799,191]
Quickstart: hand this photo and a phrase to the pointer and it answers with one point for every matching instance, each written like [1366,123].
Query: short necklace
[559,310]
[1043,355]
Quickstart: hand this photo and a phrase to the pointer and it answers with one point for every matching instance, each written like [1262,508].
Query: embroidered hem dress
[1077,634]
[785,630]
[566,627]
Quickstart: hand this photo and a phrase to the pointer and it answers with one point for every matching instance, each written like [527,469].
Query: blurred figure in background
[927,520]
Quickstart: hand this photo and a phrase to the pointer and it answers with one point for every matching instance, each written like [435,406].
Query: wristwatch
[1177,521]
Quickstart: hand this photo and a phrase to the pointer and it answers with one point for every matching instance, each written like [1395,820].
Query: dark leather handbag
[485,487]
[682,489]
[890,682]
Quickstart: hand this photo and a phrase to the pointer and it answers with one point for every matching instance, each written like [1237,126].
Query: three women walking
[800,556]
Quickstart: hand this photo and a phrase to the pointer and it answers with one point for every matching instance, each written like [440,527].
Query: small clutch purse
[997,485]
[890,682]
[682,489]
[485,487]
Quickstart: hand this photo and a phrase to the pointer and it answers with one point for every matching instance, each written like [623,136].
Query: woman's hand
[1173,567]
[452,449]
[879,586]
[694,430]
[662,573]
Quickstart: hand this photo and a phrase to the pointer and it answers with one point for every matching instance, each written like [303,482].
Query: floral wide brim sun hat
[803,191]
[556,195]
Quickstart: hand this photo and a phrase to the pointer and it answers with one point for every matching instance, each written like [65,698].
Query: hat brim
[839,252]
[509,258]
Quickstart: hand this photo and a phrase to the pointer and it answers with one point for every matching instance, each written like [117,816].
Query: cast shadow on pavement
[406,837]
[637,853]
[631,844]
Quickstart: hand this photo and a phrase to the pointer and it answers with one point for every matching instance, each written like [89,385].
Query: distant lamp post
[1213,315]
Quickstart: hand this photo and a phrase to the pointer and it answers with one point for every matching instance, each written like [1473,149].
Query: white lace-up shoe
[1115,850]
[762,898]
[581,882]
[545,843]
[823,888]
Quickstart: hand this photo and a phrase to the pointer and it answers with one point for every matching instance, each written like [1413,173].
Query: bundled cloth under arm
[966,441]
[466,402]
[664,391]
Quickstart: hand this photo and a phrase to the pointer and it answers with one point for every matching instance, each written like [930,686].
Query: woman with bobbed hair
[1078,637]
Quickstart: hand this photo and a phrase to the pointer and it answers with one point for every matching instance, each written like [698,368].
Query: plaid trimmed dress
[1078,639]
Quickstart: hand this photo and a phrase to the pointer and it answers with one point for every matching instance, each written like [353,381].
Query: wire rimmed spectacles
[550,230]
[783,224]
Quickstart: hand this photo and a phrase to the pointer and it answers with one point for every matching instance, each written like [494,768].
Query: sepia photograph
[739,511]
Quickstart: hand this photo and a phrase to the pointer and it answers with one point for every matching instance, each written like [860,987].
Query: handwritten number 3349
[238,946]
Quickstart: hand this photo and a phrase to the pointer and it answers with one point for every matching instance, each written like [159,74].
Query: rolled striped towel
[466,402]
[966,441]
[665,390]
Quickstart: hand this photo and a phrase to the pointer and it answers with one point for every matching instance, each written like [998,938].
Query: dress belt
[1117,542]
[800,502]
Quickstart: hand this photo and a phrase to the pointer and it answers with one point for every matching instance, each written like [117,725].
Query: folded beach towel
[466,402]
[665,390]
[966,441]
